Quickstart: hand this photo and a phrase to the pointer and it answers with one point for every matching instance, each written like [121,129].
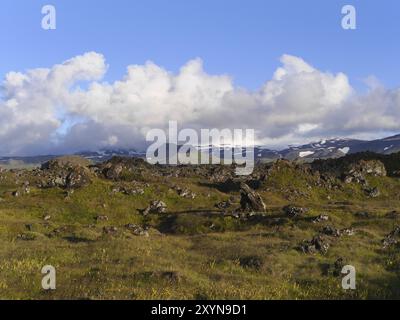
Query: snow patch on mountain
[303,154]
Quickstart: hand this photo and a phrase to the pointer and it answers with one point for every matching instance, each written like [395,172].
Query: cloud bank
[46,110]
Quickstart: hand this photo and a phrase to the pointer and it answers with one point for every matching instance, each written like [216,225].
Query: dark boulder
[250,200]
[126,168]
[156,206]
[294,212]
[317,244]
[392,238]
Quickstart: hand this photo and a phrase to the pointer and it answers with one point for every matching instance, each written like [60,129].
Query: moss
[207,255]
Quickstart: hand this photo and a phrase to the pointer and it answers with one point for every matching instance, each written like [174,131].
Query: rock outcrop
[357,171]
[317,244]
[392,238]
[66,172]
[250,200]
[125,168]
[156,206]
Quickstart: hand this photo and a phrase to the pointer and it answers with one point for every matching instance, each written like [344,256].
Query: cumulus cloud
[32,102]
[46,111]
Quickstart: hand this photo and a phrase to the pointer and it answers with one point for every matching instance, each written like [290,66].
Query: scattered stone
[294,212]
[223,205]
[185,193]
[317,244]
[69,193]
[308,247]
[26,189]
[110,230]
[320,218]
[356,177]
[347,232]
[128,190]
[321,244]
[137,230]
[331,231]
[233,214]
[60,230]
[47,218]
[362,214]
[133,191]
[388,242]
[102,218]
[16,194]
[156,206]
[373,192]
[26,237]
[390,239]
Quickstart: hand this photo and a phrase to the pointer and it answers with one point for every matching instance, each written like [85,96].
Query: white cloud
[31,102]
[44,110]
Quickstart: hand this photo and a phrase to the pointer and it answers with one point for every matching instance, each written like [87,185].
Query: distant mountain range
[335,148]
[331,148]
[95,156]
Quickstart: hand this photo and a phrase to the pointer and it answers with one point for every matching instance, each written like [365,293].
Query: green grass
[202,247]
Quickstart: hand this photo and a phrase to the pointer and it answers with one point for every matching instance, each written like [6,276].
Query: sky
[112,70]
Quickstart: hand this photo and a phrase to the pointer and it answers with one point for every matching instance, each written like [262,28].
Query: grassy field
[193,251]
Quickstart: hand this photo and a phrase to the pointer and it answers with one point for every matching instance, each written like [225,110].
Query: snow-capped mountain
[106,154]
[334,148]
[330,148]
[95,156]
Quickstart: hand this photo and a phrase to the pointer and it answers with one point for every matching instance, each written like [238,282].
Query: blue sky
[241,38]
[286,69]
